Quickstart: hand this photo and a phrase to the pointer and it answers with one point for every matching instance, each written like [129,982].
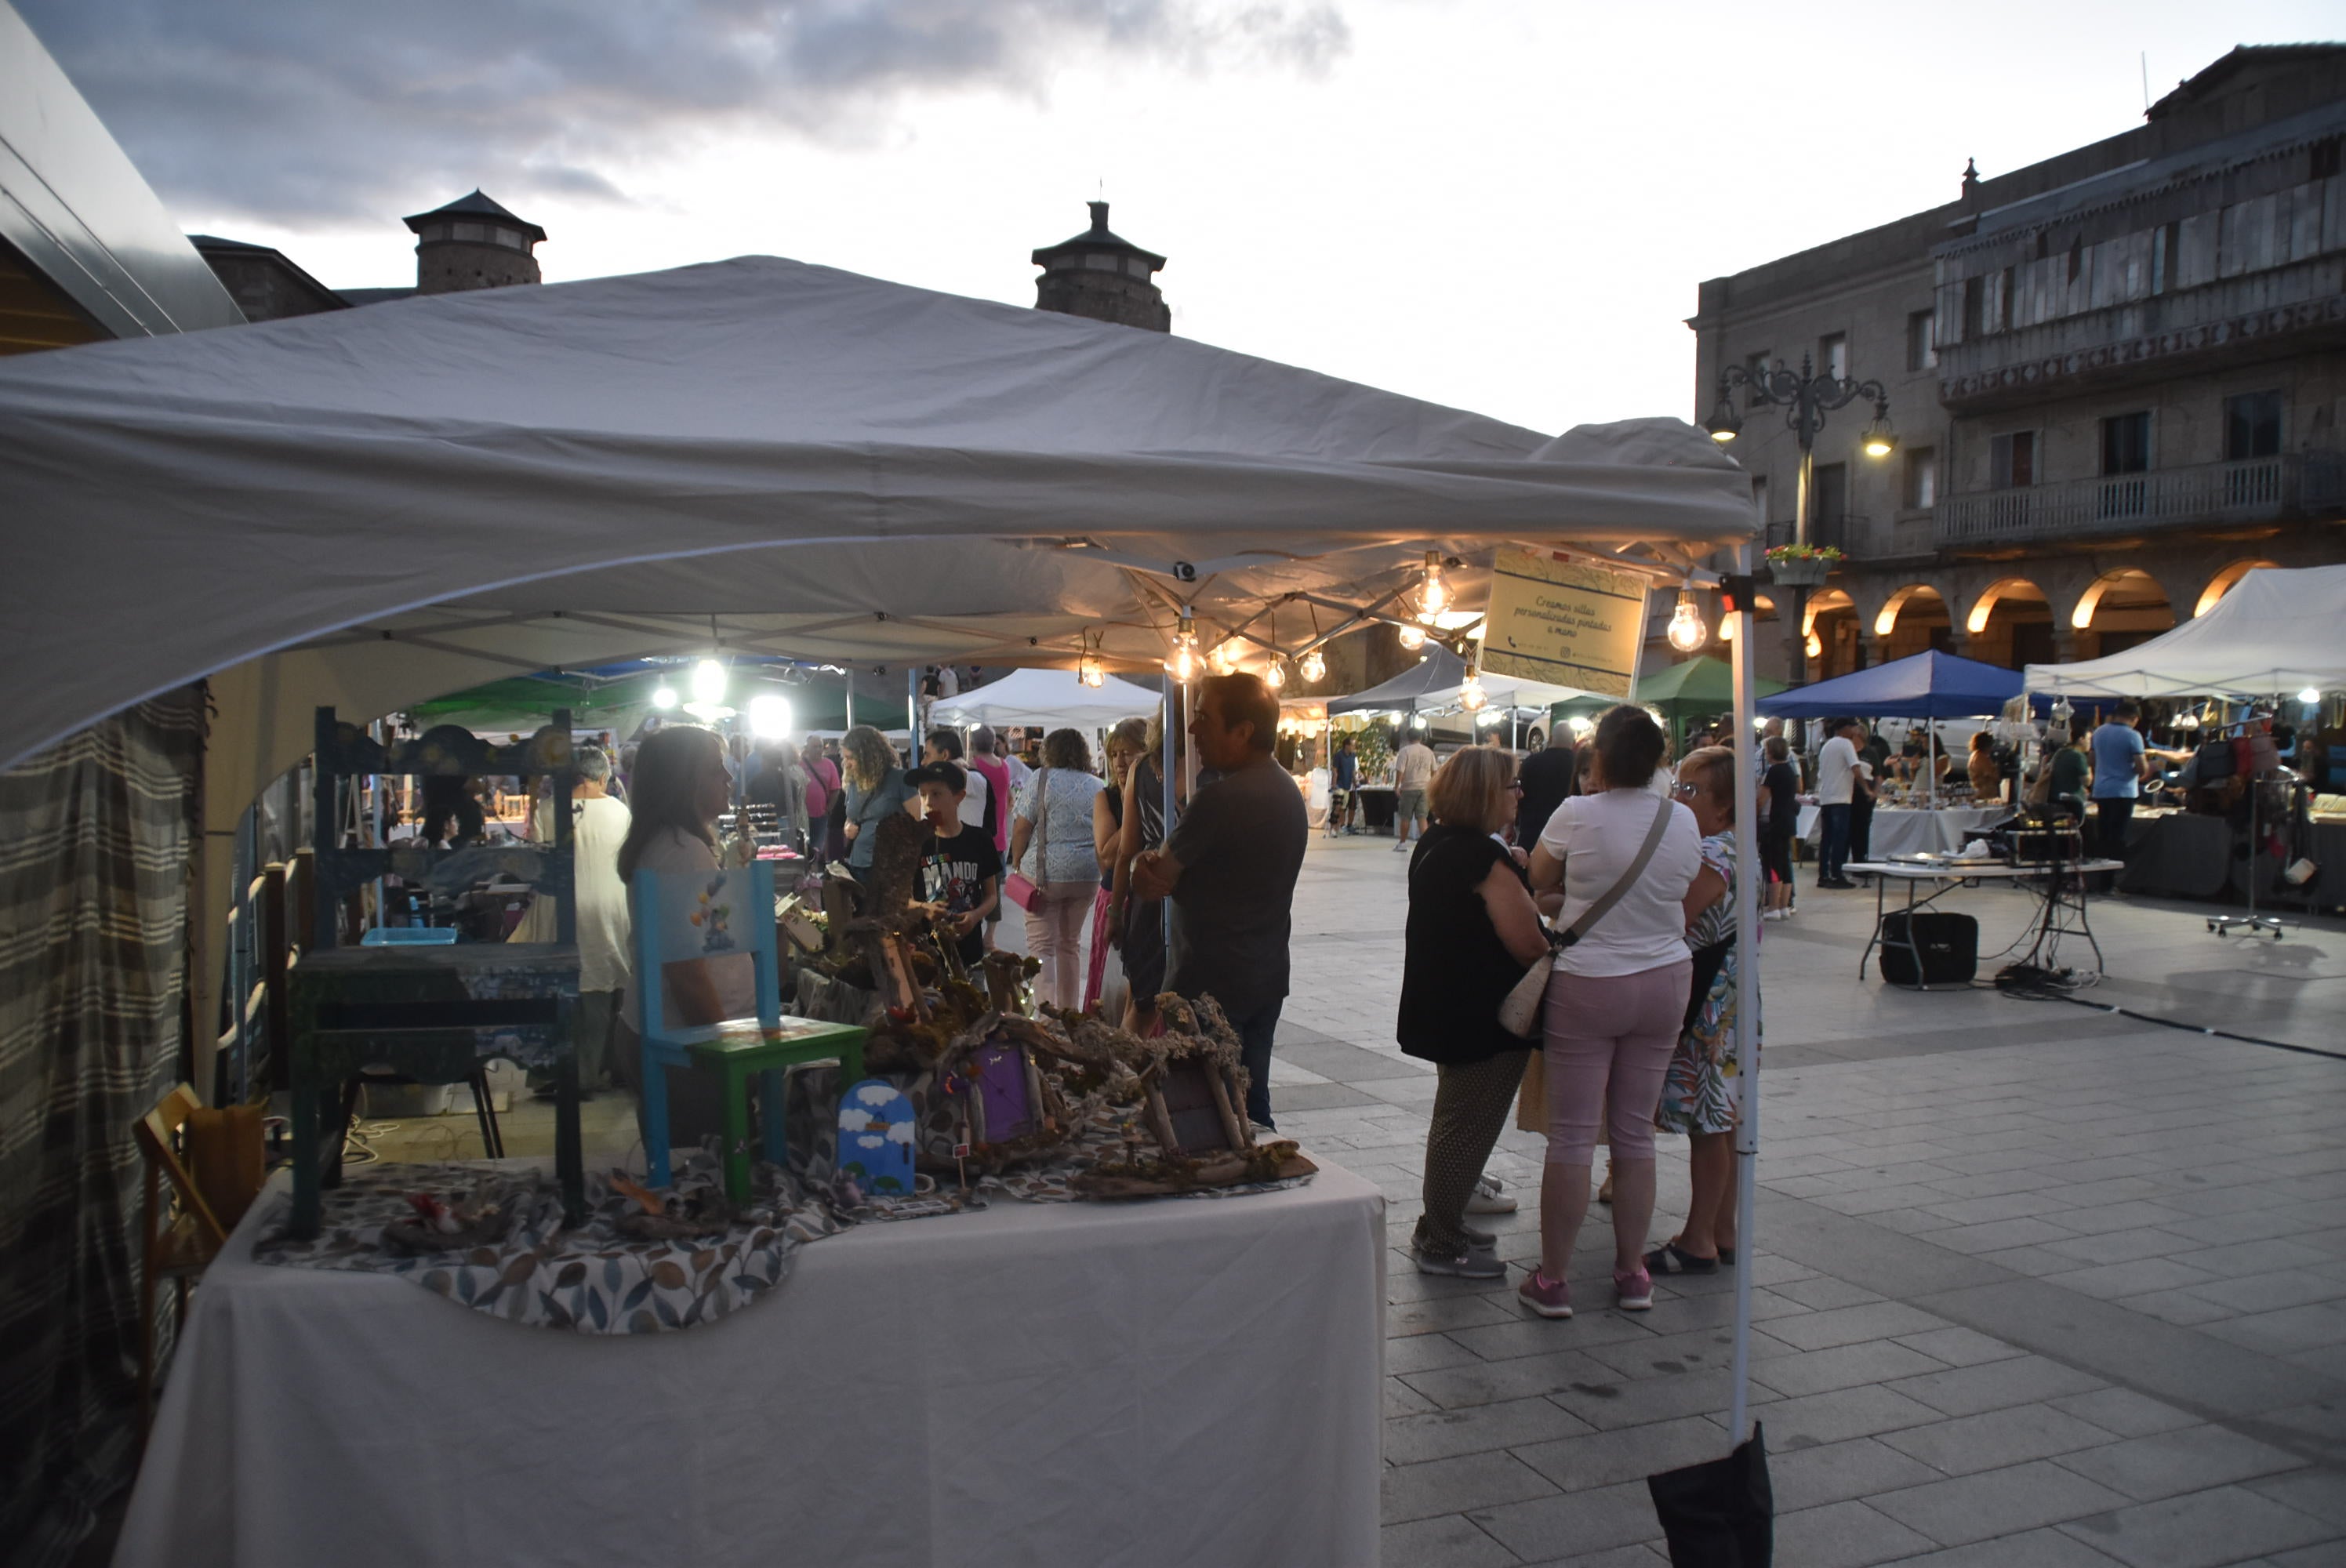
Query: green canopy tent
[522,703]
[1691,689]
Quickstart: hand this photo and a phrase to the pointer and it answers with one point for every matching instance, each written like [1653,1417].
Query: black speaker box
[1950,945]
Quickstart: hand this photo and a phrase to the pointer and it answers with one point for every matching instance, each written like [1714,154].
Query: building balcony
[2289,309]
[2285,488]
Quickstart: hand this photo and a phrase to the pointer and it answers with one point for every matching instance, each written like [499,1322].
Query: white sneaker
[1399,845]
[1488,1199]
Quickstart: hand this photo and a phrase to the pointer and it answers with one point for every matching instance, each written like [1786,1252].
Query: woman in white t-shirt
[1615,1003]
[679,787]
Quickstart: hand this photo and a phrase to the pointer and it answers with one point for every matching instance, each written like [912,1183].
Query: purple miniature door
[998,1087]
[875,1139]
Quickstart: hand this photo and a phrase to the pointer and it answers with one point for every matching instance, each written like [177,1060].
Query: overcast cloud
[312,112]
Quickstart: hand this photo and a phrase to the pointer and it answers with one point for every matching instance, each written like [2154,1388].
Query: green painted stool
[737,1049]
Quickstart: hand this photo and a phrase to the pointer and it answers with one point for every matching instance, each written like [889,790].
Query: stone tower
[1097,275]
[472,243]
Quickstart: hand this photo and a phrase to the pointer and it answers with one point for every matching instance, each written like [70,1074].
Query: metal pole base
[2222,924]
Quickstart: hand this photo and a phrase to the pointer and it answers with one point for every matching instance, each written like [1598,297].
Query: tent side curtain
[95,886]
[1930,685]
[2275,634]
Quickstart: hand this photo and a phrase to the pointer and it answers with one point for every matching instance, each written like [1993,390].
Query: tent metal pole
[913,709]
[1746,1002]
[848,676]
[1164,767]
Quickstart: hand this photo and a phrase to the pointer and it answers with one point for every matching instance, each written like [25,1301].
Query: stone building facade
[2119,379]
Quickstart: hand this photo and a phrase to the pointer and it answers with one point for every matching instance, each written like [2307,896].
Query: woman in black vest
[1472,932]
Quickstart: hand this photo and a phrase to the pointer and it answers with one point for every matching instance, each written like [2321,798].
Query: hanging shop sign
[1556,620]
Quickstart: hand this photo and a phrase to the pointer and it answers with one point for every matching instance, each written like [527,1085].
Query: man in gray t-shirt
[1230,866]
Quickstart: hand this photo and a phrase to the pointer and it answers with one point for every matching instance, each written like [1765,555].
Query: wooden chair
[178,1250]
[684,921]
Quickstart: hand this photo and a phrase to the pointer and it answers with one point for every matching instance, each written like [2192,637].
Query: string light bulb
[709,682]
[1184,663]
[1412,637]
[1686,631]
[1312,666]
[2309,696]
[1471,695]
[1088,671]
[1276,675]
[1433,595]
[664,697]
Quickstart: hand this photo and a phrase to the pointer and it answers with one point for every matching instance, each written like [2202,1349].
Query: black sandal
[1669,1257]
[1727,1256]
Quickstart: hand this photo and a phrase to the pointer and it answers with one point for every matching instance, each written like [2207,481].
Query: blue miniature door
[876,1138]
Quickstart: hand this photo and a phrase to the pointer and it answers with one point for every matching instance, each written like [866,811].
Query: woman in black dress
[1472,932]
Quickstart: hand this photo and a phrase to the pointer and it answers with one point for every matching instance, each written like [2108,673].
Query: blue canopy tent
[1928,685]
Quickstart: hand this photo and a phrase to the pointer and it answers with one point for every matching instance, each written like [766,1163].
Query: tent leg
[1746,1006]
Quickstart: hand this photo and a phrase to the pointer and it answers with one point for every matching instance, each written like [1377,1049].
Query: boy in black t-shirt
[960,871]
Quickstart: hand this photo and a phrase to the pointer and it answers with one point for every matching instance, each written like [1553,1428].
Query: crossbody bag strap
[1595,911]
[1042,821]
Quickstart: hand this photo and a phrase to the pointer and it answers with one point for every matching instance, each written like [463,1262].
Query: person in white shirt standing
[1412,771]
[944,746]
[1838,783]
[598,827]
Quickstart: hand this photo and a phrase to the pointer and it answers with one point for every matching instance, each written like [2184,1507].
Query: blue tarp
[1930,685]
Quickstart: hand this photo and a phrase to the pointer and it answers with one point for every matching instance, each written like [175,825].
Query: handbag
[1519,1014]
[1018,886]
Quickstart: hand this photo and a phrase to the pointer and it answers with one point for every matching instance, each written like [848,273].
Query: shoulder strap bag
[1519,1014]
[1018,886]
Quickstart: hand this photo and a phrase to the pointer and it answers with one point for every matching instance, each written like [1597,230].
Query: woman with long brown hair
[875,787]
[681,787]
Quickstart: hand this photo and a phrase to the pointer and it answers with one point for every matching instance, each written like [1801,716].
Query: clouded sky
[1504,205]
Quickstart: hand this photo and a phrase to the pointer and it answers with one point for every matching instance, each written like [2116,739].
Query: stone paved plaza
[2034,1285]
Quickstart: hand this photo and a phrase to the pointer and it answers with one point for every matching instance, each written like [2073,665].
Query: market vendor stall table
[1898,830]
[1378,805]
[1179,1381]
[2064,885]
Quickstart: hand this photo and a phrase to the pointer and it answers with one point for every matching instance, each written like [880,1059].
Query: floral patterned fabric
[1702,1091]
[592,1279]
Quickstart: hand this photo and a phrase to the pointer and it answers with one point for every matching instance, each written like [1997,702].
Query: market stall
[753,458]
[2274,638]
[1046,699]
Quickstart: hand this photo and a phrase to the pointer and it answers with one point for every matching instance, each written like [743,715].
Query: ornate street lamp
[1807,397]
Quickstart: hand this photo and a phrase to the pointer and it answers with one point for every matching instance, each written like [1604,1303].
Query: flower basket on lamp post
[1802,566]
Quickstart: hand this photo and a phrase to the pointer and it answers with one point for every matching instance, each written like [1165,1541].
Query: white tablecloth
[1898,831]
[1182,1382]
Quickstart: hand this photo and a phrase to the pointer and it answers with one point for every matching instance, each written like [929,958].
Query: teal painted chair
[714,915]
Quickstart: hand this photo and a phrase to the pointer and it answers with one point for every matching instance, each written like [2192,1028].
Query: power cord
[2033,983]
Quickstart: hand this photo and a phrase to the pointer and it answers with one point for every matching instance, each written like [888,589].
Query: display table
[2183,855]
[2065,888]
[1898,830]
[1176,1381]
[1379,803]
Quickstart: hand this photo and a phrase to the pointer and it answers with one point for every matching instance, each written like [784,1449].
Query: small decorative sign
[876,1138]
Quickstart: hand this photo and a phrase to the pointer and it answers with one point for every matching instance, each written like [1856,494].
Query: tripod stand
[2222,924]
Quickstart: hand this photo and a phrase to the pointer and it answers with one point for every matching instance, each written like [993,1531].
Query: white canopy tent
[1049,698]
[2277,632]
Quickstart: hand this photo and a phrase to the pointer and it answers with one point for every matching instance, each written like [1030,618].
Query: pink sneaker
[1633,1292]
[1548,1297]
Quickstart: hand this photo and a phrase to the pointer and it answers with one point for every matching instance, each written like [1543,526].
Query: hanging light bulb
[1412,637]
[1225,657]
[2309,696]
[1433,596]
[1312,666]
[1816,645]
[1088,671]
[1686,631]
[1276,675]
[709,682]
[1184,663]
[1471,695]
[664,696]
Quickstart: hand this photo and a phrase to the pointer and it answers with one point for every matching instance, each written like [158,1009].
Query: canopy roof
[1049,698]
[2278,631]
[1928,685]
[1704,684]
[755,456]
[1431,686]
